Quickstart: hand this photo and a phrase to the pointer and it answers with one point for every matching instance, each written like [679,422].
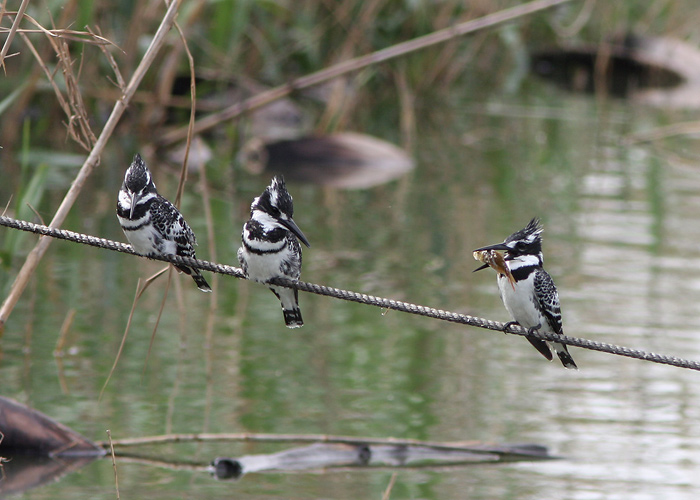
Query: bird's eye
[521,245]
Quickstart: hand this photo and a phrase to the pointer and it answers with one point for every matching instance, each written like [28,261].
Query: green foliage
[11,98]
[31,192]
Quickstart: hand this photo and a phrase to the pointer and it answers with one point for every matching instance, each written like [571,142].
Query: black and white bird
[151,223]
[270,246]
[531,299]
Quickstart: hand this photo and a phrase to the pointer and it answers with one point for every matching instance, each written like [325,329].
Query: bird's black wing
[548,299]
[291,266]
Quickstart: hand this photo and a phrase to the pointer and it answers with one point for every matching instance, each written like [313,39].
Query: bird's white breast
[146,240]
[262,267]
[520,302]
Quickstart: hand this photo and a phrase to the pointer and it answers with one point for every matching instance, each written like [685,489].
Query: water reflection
[20,473]
[621,243]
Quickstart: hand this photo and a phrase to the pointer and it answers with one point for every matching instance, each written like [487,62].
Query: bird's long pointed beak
[291,225]
[135,197]
[497,246]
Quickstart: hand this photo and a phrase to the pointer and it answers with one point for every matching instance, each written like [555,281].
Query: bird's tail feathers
[289,298]
[201,282]
[196,276]
[292,318]
[565,357]
[541,346]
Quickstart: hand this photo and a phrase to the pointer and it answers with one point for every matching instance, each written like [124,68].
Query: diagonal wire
[362,298]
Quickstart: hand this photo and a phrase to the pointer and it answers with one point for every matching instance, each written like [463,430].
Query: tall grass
[33,186]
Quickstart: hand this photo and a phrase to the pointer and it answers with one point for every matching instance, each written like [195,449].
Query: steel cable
[362,298]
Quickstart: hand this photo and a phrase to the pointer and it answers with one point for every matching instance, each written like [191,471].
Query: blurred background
[583,115]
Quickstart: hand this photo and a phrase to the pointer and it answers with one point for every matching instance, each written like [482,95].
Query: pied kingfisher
[151,223]
[270,248]
[531,298]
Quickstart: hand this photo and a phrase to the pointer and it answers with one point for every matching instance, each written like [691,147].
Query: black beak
[497,246]
[135,197]
[291,225]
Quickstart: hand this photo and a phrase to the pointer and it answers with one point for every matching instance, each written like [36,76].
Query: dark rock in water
[576,70]
[36,450]
[26,431]
[344,160]
[653,70]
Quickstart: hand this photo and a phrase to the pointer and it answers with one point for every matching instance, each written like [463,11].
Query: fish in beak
[491,257]
[483,250]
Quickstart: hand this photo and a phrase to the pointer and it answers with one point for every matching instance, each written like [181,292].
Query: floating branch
[42,449]
[362,298]
[342,456]
[476,447]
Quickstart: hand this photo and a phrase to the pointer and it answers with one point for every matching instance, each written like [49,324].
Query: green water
[621,241]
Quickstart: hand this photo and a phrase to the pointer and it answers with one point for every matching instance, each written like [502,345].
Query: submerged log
[325,455]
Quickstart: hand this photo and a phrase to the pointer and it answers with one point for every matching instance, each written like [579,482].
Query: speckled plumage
[270,246]
[533,301]
[152,224]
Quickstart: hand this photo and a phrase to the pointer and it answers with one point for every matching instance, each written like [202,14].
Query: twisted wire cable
[361,298]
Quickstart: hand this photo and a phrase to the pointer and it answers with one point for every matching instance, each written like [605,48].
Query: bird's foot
[508,325]
[532,330]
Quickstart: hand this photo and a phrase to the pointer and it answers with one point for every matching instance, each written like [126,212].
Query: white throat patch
[524,261]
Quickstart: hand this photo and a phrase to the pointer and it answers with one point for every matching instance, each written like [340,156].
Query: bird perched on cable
[270,246]
[529,294]
[152,224]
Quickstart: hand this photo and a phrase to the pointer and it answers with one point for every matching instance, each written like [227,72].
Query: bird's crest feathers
[529,234]
[275,200]
[137,176]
